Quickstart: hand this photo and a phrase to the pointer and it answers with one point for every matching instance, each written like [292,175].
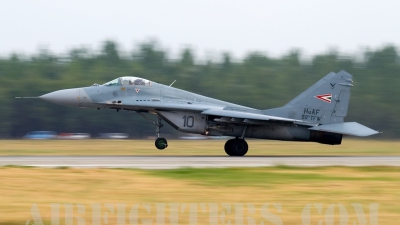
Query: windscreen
[114,82]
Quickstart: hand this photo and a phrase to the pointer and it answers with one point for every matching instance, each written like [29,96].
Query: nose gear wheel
[161,143]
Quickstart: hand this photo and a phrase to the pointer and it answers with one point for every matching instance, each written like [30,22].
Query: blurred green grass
[267,177]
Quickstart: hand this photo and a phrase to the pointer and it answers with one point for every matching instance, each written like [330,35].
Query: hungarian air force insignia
[325,97]
[137,90]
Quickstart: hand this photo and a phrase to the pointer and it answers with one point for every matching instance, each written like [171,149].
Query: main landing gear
[236,147]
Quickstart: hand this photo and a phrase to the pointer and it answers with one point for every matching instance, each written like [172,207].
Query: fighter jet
[316,115]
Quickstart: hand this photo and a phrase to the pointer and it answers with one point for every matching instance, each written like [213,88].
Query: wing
[348,128]
[243,117]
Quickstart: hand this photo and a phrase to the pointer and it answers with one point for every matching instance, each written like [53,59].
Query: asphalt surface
[171,162]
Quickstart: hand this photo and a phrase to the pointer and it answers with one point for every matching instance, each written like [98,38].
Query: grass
[232,177]
[292,187]
[193,147]
[236,177]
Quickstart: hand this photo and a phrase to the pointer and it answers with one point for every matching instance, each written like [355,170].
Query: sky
[210,27]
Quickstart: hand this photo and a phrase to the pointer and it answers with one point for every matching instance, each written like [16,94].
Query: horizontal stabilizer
[349,128]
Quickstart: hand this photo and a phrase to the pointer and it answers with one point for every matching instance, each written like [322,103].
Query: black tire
[228,148]
[161,143]
[239,147]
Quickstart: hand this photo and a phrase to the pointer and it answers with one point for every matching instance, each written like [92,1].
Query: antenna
[172,83]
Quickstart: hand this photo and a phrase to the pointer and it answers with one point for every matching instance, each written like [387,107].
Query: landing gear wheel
[161,143]
[238,147]
[227,147]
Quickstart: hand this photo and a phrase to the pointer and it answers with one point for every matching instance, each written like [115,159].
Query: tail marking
[325,97]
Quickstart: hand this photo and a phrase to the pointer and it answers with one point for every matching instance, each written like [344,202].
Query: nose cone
[69,97]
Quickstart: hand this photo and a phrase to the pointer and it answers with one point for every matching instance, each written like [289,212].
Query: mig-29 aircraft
[316,115]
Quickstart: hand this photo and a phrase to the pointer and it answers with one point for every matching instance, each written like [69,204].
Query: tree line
[257,81]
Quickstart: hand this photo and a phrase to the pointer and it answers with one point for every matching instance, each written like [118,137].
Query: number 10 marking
[188,121]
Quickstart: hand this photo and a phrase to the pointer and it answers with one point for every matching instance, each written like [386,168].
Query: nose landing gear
[160,143]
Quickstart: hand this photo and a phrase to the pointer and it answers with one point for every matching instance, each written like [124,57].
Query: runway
[172,162]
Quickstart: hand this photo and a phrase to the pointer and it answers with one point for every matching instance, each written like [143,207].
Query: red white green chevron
[325,97]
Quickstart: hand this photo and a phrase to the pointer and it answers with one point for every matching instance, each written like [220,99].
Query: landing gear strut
[160,143]
[236,147]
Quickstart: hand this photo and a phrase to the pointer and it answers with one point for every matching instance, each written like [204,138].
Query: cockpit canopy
[129,81]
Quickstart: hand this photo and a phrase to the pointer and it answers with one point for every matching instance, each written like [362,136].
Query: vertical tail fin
[325,102]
